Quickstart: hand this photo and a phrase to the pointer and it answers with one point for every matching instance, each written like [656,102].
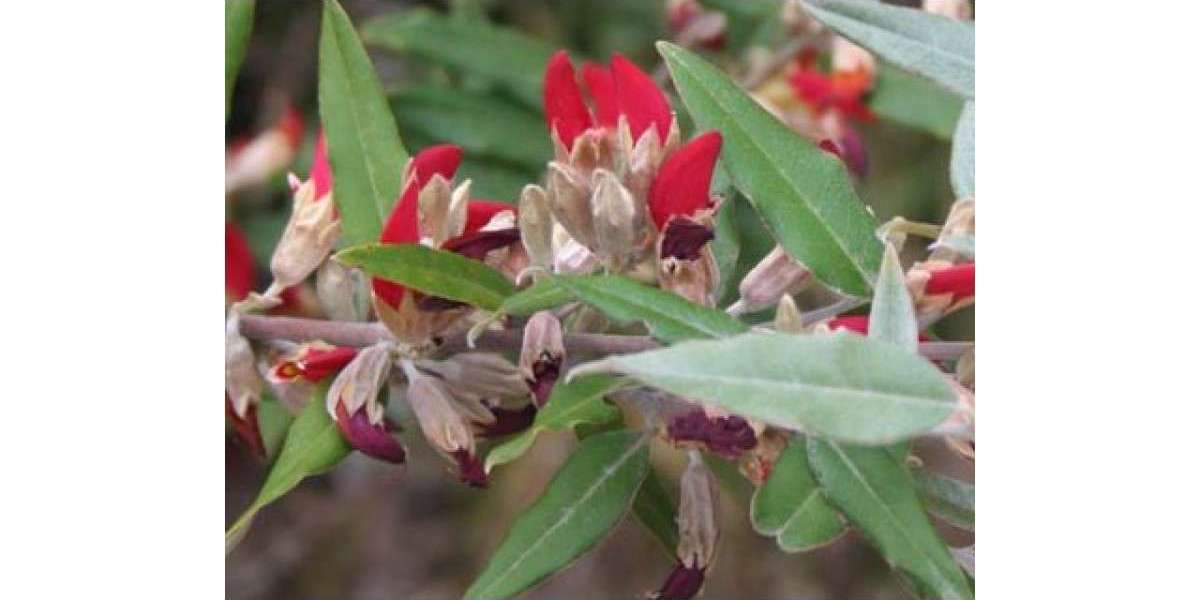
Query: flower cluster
[622,193]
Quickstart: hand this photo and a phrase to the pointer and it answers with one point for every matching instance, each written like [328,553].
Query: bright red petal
[442,159]
[239,264]
[600,85]
[958,280]
[401,228]
[639,98]
[321,175]
[562,100]
[479,212]
[681,186]
[855,323]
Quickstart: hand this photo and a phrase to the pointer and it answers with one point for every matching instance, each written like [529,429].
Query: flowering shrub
[612,294]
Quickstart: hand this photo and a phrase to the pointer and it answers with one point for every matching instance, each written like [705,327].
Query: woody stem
[348,333]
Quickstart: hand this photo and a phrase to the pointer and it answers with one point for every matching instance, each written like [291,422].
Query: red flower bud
[480,212]
[639,98]
[682,584]
[321,174]
[603,88]
[246,427]
[958,280]
[566,114]
[239,264]
[857,324]
[843,91]
[681,186]
[403,225]
[375,441]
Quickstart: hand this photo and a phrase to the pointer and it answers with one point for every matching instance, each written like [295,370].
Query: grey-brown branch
[347,333]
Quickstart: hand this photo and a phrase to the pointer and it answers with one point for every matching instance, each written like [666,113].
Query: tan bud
[255,163]
[774,276]
[570,256]
[433,205]
[699,514]
[480,375]
[614,213]
[570,201]
[592,151]
[435,410]
[788,318]
[960,222]
[343,292]
[537,225]
[242,382]
[695,280]
[456,217]
[310,234]
[959,10]
[542,355]
[359,382]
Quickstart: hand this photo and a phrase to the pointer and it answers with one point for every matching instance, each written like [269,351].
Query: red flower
[619,89]
[321,174]
[681,186]
[842,91]
[857,324]
[239,264]
[313,362]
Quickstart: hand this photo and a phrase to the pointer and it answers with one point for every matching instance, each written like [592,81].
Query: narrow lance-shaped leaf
[313,446]
[939,48]
[655,510]
[843,385]
[364,145]
[433,272]
[950,499]
[962,155]
[790,506]
[505,56]
[893,318]
[586,498]
[670,317]
[726,245]
[803,193]
[875,492]
[907,99]
[570,404]
[239,21]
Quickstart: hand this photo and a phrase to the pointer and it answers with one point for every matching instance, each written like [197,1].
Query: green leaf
[506,56]
[570,404]
[670,317]
[948,498]
[542,295]
[803,193]
[586,498]
[726,246]
[844,386]
[655,509]
[239,21]
[875,492]
[485,126]
[962,155]
[364,145]
[273,423]
[313,446]
[939,48]
[893,318]
[790,506]
[432,272]
[910,100]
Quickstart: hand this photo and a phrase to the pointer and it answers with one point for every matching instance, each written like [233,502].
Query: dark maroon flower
[373,440]
[684,238]
[683,584]
[470,469]
[726,436]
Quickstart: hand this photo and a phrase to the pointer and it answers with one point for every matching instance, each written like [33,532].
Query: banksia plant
[674,258]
